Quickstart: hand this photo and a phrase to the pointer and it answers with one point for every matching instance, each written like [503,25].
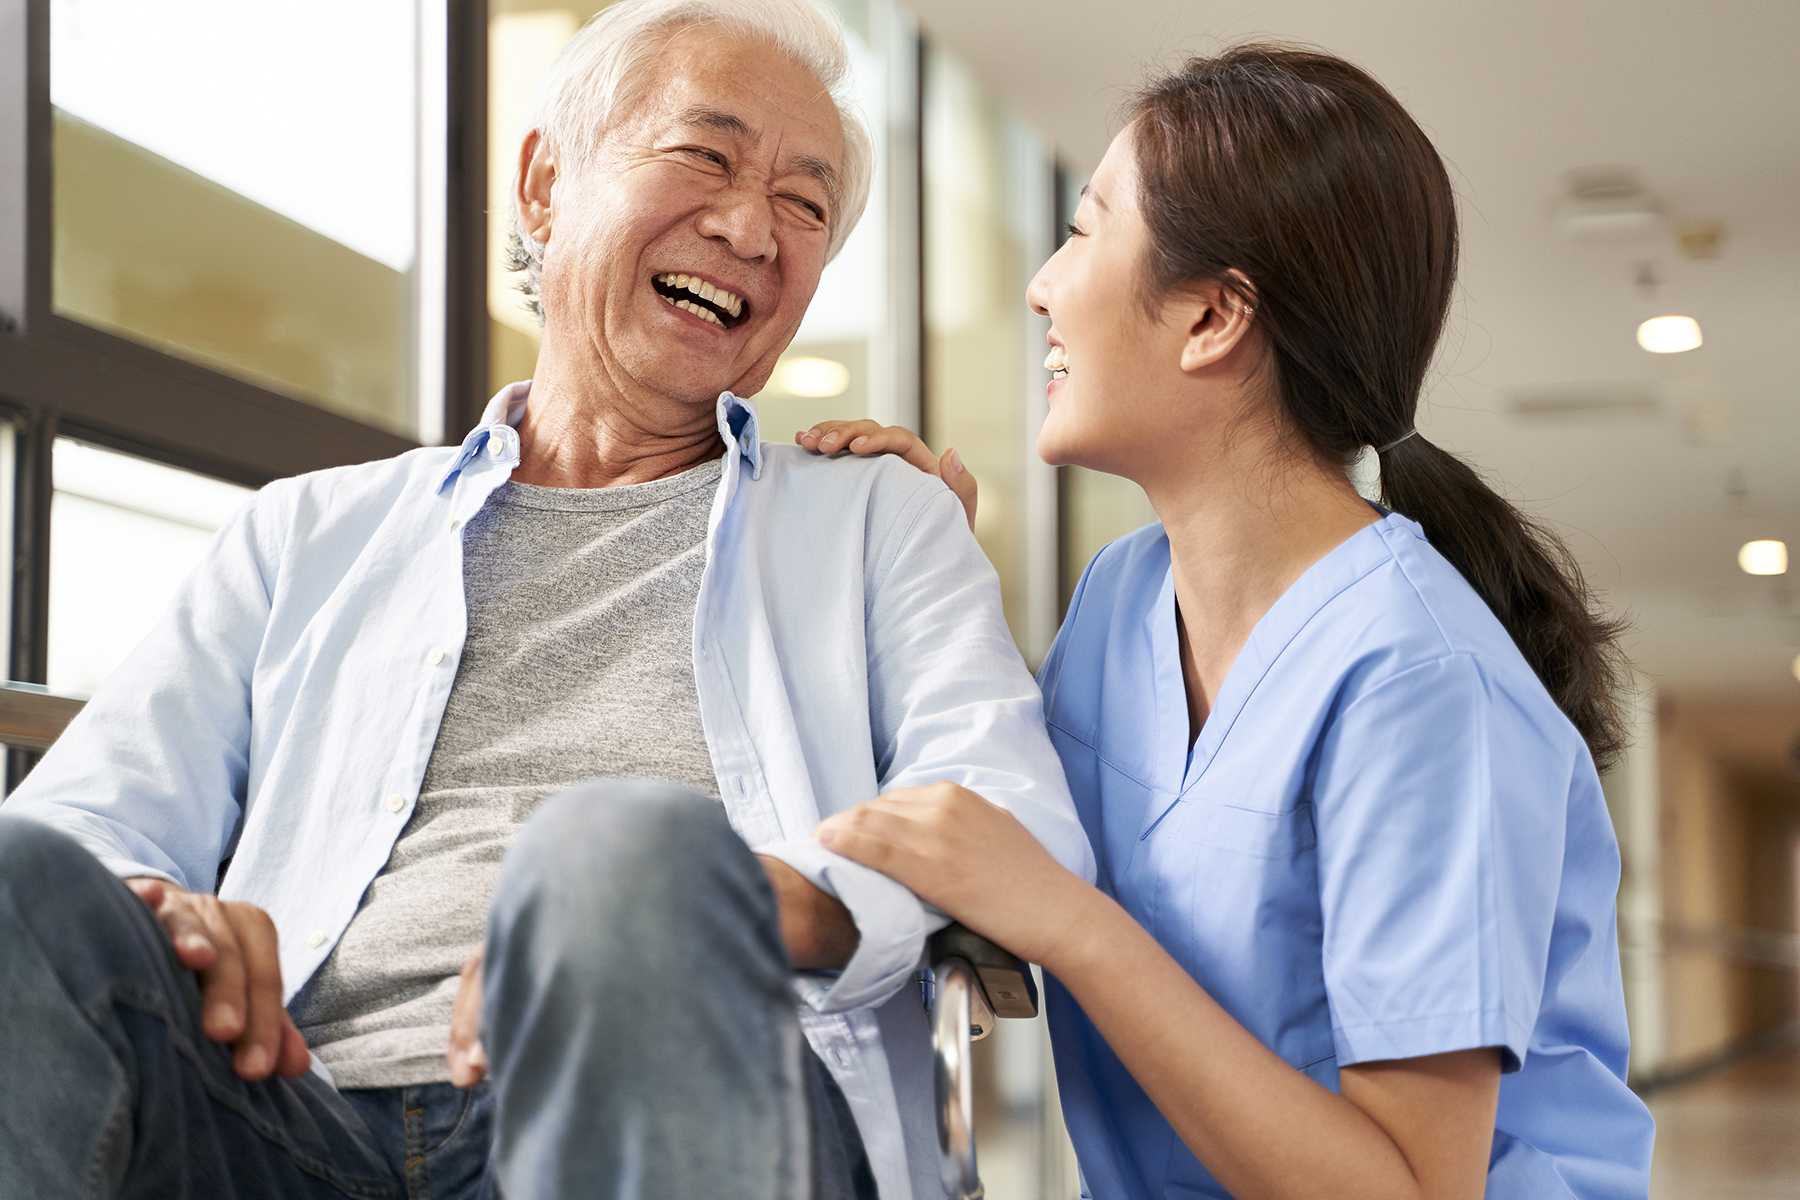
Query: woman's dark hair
[1296,181]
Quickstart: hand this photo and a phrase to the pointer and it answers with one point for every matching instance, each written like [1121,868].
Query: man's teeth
[1057,361]
[705,314]
[730,302]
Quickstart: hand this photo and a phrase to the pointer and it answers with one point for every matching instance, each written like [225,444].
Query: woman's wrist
[1088,923]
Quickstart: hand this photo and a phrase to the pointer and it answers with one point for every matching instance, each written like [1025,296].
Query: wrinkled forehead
[709,78]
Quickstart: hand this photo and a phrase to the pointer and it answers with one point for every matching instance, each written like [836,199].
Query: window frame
[59,377]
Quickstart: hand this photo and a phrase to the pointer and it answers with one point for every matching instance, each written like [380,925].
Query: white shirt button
[496,447]
[315,939]
[435,657]
[396,802]
[451,524]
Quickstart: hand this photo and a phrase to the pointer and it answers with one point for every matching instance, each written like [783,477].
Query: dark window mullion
[33,482]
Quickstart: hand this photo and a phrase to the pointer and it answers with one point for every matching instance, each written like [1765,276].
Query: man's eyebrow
[716,119]
[823,172]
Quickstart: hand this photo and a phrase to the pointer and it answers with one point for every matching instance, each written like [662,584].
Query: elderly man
[612,631]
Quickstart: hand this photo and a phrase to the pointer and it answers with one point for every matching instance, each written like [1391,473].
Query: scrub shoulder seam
[1099,755]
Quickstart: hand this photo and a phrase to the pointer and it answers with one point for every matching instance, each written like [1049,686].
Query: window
[237,184]
[989,214]
[237,242]
[124,533]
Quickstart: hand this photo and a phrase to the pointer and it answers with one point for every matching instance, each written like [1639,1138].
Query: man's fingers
[151,891]
[257,1051]
[294,1058]
[192,935]
[223,983]
[467,1058]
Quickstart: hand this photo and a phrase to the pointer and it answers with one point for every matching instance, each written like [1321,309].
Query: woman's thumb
[960,480]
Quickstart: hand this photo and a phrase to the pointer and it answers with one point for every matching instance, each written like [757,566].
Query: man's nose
[743,217]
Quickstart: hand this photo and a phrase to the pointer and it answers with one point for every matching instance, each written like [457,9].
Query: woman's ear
[534,187]
[1217,320]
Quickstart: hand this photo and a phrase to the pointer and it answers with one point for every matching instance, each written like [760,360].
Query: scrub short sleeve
[1441,816]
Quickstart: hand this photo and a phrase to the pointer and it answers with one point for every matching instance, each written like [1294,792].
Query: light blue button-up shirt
[848,640]
[1387,842]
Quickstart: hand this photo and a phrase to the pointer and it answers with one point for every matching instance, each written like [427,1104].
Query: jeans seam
[117,1126]
[126,993]
[417,1187]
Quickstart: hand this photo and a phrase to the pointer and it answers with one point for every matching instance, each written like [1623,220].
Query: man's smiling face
[682,255]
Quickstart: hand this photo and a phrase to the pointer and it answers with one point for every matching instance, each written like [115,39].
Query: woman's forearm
[1263,1129]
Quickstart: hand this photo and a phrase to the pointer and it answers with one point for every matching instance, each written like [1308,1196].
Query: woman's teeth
[1057,362]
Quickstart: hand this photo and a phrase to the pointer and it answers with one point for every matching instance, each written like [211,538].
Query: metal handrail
[957,1020]
[971,982]
[31,717]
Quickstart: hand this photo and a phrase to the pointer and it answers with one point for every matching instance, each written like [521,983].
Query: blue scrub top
[1387,842]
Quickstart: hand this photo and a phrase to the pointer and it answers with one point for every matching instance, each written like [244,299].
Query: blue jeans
[638,1018]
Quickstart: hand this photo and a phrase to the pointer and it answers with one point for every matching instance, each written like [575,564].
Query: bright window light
[124,533]
[1797,668]
[1669,335]
[308,109]
[815,377]
[1767,557]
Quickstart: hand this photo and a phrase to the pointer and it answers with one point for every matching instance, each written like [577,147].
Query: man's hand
[232,947]
[468,1060]
[816,927]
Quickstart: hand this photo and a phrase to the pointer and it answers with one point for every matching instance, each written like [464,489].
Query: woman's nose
[1037,294]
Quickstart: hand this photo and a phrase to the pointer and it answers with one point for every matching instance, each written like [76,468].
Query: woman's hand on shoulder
[969,857]
[866,439]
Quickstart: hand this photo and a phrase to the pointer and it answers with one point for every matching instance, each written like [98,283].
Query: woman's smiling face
[1108,402]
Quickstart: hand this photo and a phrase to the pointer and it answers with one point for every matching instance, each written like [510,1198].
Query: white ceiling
[1704,103]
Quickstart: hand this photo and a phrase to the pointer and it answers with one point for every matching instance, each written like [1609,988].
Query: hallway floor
[1734,1135]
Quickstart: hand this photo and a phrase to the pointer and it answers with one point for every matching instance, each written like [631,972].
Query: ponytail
[1527,577]
[1295,180]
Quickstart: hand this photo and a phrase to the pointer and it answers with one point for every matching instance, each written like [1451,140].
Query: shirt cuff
[891,926]
[125,868]
[1442,1033]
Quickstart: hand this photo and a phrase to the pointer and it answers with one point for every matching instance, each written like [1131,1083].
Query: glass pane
[1097,509]
[975,276]
[237,184]
[825,372]
[124,533]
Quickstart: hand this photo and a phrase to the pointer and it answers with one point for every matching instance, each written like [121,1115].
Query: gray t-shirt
[578,665]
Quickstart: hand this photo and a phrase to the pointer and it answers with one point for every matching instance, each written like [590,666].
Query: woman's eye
[1073,232]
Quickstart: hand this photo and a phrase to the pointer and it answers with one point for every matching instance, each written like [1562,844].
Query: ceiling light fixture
[1669,335]
[813,377]
[1767,557]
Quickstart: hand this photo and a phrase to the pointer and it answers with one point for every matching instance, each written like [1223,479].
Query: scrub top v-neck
[1386,842]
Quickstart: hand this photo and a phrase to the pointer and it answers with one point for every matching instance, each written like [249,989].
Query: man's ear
[535,183]
[1216,319]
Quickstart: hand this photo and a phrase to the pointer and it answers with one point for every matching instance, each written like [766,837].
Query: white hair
[601,71]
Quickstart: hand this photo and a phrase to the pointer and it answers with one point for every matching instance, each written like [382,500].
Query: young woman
[1354,928]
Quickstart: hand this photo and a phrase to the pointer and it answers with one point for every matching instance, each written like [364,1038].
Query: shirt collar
[736,416]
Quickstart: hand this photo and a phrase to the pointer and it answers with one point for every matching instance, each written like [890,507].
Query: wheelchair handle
[973,982]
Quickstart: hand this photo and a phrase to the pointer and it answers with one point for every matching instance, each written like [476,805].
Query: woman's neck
[1242,530]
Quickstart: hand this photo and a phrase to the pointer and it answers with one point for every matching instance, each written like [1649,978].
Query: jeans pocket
[449,1142]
